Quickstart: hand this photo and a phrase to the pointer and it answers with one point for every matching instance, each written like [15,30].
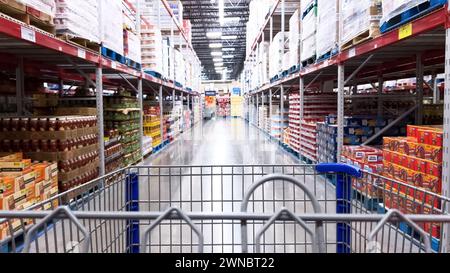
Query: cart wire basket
[325,208]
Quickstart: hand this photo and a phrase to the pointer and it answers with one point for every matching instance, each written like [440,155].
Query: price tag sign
[28,34]
[113,65]
[405,31]
[352,53]
[82,53]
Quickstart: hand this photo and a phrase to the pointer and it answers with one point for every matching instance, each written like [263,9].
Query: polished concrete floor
[222,142]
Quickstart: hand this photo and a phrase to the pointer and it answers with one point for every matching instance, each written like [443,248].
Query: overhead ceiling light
[218,64]
[228,56]
[228,49]
[221,12]
[218,60]
[229,37]
[216,53]
[214,34]
[215,45]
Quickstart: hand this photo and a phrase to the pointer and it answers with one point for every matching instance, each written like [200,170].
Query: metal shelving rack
[25,49]
[424,50]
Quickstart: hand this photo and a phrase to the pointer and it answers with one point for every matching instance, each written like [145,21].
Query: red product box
[411,163]
[396,158]
[431,183]
[413,131]
[374,156]
[373,167]
[421,166]
[433,169]
[428,152]
[389,169]
[387,155]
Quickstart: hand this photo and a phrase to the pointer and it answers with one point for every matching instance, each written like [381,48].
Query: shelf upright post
[419,85]
[141,120]
[283,25]
[161,112]
[257,109]
[340,116]
[263,102]
[446,152]
[173,98]
[302,103]
[182,110]
[271,29]
[100,118]
[436,93]
[282,108]
[20,87]
[270,109]
[380,95]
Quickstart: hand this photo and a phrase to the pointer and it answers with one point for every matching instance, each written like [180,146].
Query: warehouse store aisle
[222,142]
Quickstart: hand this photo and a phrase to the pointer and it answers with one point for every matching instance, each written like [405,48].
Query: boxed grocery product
[359,18]
[47,7]
[111,32]
[327,27]
[294,39]
[78,19]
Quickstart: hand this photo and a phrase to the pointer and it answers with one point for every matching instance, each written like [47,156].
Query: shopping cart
[325,208]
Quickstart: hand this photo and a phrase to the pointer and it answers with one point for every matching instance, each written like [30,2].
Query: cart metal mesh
[117,210]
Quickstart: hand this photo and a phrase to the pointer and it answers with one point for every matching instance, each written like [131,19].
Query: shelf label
[113,65]
[405,31]
[28,34]
[82,53]
[352,53]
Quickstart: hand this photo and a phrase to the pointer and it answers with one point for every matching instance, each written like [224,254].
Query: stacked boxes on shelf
[152,125]
[360,21]
[24,183]
[308,37]
[113,151]
[294,122]
[279,124]
[187,120]
[237,104]
[308,138]
[224,107]
[263,116]
[327,28]
[152,49]
[111,32]
[78,19]
[263,65]
[415,160]
[122,113]
[357,130]
[258,12]
[369,159]
[392,9]
[294,39]
[70,141]
[277,50]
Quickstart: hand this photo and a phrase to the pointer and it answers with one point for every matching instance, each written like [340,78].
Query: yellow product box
[15,166]
[39,189]
[11,202]
[31,192]
[47,184]
[7,186]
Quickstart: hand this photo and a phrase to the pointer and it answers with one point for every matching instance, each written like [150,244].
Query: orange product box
[396,158]
[433,169]
[428,152]
[430,136]
[39,189]
[42,171]
[15,166]
[31,192]
[7,186]
[394,144]
[431,183]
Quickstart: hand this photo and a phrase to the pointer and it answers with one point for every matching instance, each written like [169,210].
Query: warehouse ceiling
[204,16]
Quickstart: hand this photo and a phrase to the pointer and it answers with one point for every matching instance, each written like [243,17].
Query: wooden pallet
[372,32]
[27,15]
[80,41]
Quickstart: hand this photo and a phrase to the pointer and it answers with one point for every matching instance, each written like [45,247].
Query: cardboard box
[15,166]
[432,183]
[428,152]
[433,169]
[7,186]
